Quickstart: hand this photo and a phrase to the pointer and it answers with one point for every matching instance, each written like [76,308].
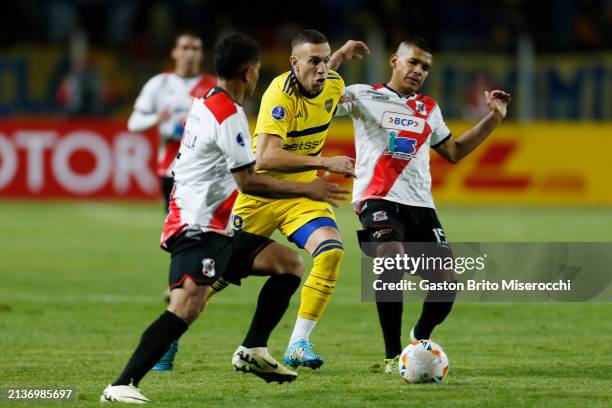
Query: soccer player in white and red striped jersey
[394,128]
[165,100]
[214,162]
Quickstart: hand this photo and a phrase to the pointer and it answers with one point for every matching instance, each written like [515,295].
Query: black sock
[271,305]
[436,307]
[390,306]
[153,344]
[390,317]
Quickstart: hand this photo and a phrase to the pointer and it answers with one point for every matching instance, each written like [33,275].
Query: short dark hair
[232,52]
[308,36]
[187,33]
[418,42]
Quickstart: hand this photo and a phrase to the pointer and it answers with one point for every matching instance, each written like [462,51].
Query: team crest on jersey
[380,216]
[420,107]
[240,139]
[208,267]
[278,112]
[329,104]
[417,106]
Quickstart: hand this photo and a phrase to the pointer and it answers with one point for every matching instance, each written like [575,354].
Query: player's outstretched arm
[351,51]
[320,189]
[454,150]
[139,122]
[271,156]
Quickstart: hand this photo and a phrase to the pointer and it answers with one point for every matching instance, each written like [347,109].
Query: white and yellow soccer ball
[423,361]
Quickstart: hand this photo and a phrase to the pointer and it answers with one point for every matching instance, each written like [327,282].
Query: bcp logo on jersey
[278,112]
[400,121]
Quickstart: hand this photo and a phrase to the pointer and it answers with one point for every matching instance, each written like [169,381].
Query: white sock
[303,328]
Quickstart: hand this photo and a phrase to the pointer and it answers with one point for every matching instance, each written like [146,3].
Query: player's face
[410,68]
[311,64]
[252,75]
[187,54]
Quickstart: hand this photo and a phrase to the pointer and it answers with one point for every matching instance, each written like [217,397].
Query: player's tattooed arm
[453,150]
[270,155]
[351,50]
[249,182]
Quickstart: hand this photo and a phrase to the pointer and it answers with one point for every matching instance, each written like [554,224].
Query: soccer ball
[423,361]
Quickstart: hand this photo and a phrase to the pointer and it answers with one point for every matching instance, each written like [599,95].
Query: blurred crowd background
[91,57]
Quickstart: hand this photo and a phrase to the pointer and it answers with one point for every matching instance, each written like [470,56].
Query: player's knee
[294,265]
[187,303]
[389,249]
[327,262]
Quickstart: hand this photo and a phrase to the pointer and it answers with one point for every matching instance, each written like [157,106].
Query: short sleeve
[235,142]
[440,133]
[145,102]
[347,101]
[275,112]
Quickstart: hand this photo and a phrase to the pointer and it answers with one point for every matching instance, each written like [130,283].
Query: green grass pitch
[80,281]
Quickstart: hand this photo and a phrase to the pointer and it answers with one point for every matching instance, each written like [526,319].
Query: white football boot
[258,361]
[123,393]
[391,365]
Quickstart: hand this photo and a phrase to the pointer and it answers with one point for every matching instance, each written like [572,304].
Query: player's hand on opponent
[322,190]
[340,164]
[498,102]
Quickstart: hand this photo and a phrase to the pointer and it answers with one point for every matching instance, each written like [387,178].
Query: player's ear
[293,61]
[393,61]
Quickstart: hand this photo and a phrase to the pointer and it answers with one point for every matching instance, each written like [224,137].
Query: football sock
[436,307]
[321,281]
[303,328]
[153,344]
[271,305]
[390,307]
[390,317]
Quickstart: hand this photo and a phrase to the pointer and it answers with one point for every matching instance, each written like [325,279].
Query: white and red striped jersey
[216,143]
[393,134]
[170,90]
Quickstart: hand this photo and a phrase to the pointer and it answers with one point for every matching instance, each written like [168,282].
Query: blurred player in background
[214,161]
[165,100]
[394,128]
[294,116]
[163,103]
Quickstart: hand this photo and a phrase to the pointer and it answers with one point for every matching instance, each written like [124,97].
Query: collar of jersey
[397,93]
[216,89]
[303,90]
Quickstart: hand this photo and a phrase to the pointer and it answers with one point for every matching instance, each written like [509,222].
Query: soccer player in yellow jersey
[294,116]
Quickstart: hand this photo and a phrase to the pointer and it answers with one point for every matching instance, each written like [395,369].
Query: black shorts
[209,257]
[385,221]
[165,185]
[388,221]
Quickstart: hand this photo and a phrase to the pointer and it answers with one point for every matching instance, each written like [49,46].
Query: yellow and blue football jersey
[301,119]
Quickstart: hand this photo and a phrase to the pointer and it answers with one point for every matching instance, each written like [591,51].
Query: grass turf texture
[81,281]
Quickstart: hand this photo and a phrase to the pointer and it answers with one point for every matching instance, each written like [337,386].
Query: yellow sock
[321,282]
